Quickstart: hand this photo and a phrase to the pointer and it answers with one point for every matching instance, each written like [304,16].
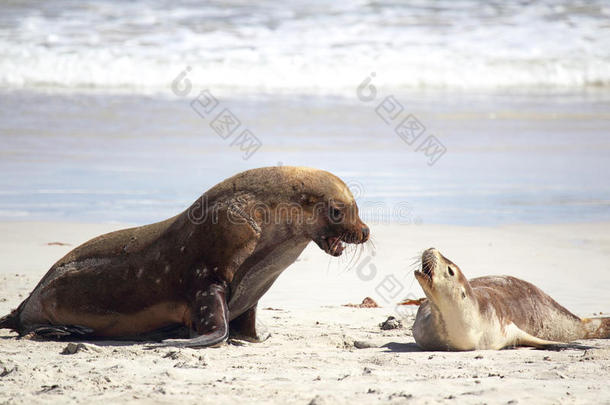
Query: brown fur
[221,252]
[525,305]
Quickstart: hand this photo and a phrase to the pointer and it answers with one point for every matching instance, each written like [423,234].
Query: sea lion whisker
[348,256]
[371,242]
[334,244]
[361,248]
[415,264]
[355,256]
[355,252]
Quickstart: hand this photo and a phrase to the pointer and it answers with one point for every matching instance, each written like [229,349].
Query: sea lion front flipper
[209,320]
[245,327]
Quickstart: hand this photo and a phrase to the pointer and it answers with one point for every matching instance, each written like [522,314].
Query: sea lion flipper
[59,332]
[525,339]
[209,320]
[10,321]
[207,340]
[245,327]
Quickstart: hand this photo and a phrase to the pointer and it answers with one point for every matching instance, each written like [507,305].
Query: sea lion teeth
[491,312]
[154,282]
[334,246]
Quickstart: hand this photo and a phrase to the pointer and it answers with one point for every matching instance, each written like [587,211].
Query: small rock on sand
[73,348]
[391,323]
[361,344]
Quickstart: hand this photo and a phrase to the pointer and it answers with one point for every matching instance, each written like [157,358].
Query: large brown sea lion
[204,269]
[491,312]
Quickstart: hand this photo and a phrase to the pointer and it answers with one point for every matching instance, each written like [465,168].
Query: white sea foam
[308,47]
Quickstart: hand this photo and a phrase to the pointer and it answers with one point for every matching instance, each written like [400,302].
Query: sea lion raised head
[449,297]
[491,312]
[442,280]
[201,272]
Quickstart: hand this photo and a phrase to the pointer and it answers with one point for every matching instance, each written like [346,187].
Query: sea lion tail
[596,328]
[10,321]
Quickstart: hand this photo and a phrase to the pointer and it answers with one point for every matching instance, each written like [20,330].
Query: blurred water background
[517,92]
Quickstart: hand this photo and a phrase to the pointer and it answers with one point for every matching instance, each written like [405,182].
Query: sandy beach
[311,356]
[476,127]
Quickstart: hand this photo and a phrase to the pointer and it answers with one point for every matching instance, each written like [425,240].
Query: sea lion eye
[336,214]
[451,271]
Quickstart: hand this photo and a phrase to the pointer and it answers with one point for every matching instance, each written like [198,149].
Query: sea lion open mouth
[428,262]
[423,275]
[333,245]
[427,268]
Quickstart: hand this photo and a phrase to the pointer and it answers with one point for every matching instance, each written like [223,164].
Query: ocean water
[460,112]
[312,47]
[137,159]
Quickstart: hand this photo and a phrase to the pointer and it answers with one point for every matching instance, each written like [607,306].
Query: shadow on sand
[402,347]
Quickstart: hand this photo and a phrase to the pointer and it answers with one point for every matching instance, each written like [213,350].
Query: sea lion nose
[429,254]
[365,233]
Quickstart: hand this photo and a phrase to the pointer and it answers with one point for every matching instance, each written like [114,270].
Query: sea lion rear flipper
[596,328]
[60,332]
[10,321]
[525,339]
[209,320]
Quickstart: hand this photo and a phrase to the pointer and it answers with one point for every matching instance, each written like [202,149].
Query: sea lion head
[442,280]
[332,213]
[304,201]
